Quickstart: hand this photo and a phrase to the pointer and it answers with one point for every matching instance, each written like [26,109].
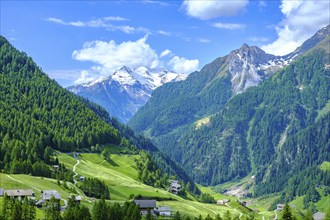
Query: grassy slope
[122,178]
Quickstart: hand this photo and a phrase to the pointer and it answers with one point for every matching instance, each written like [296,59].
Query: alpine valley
[249,115]
[247,133]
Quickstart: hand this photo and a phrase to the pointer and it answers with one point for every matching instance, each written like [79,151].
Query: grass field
[121,176]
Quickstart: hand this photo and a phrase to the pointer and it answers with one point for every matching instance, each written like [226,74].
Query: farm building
[146,205]
[19,193]
[163,211]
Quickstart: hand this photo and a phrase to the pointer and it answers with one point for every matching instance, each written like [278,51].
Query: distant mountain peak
[123,92]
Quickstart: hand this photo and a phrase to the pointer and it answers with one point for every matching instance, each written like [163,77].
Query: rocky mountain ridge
[123,92]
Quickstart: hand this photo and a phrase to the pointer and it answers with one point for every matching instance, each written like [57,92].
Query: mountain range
[123,92]
[249,113]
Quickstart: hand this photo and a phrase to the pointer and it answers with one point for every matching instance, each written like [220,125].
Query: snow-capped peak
[124,76]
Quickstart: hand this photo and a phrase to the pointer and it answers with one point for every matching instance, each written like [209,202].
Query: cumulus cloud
[211,9]
[301,20]
[100,23]
[228,26]
[183,65]
[110,56]
[85,76]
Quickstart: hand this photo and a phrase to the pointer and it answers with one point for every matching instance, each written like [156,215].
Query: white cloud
[115,18]
[203,40]
[101,23]
[211,9]
[84,77]
[112,55]
[166,53]
[165,33]
[301,20]
[183,65]
[229,26]
[109,56]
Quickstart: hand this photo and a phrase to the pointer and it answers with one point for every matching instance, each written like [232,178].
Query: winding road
[74,169]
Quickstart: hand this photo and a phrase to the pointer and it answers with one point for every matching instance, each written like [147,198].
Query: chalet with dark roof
[145,205]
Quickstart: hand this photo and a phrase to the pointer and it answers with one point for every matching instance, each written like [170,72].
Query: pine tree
[287,214]
[53,209]
[309,215]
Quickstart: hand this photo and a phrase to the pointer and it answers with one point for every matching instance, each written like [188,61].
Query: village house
[175,187]
[223,202]
[279,207]
[76,199]
[19,194]
[81,178]
[47,195]
[2,191]
[319,216]
[163,211]
[243,203]
[145,205]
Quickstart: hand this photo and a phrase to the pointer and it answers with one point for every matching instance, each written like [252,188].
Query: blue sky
[78,41]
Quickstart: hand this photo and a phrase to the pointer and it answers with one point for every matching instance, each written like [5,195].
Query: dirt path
[74,169]
[23,183]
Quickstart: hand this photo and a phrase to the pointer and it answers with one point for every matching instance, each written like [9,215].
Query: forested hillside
[37,116]
[278,130]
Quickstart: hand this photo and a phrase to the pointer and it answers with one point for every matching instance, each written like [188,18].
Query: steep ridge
[39,116]
[123,92]
[250,131]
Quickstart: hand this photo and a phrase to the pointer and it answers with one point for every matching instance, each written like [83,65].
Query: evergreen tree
[53,209]
[287,214]
[308,215]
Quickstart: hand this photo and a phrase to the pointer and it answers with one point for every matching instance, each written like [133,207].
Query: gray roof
[164,209]
[1,191]
[19,192]
[145,203]
[318,216]
[47,194]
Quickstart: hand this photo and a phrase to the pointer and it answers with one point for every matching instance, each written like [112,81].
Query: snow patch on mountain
[123,92]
